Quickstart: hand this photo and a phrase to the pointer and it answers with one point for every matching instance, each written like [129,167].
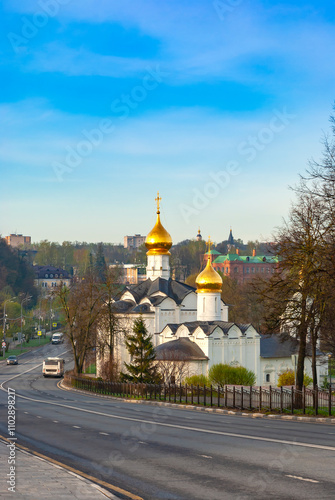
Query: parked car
[12,360]
[57,338]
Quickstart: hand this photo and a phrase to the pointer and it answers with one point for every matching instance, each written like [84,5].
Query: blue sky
[218,105]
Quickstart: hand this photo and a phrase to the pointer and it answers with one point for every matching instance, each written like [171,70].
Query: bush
[222,374]
[200,380]
[288,378]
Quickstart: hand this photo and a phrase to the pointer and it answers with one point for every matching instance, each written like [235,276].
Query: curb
[220,411]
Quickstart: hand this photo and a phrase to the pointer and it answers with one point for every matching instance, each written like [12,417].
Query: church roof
[281,346]
[182,349]
[176,290]
[155,291]
[256,259]
[208,326]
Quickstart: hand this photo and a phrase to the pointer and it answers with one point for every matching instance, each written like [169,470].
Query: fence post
[270,402]
[330,401]
[204,395]
[180,392]
[281,399]
[192,394]
[164,391]
[233,396]
[155,392]
[304,400]
[175,393]
[316,400]
[169,391]
[250,397]
[225,396]
[211,395]
[292,400]
[242,397]
[218,396]
[260,398]
[198,395]
[185,393]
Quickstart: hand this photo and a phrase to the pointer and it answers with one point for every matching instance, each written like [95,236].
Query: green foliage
[222,374]
[195,380]
[142,368]
[288,378]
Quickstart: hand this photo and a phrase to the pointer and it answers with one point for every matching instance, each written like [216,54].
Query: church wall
[273,367]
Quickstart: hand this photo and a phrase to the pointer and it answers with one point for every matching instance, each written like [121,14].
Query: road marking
[75,471]
[76,426]
[26,412]
[56,421]
[38,416]
[174,426]
[205,456]
[104,433]
[142,442]
[302,478]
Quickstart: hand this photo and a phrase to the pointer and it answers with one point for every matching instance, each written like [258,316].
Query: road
[164,453]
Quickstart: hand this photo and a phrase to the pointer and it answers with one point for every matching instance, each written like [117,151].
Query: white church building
[192,324]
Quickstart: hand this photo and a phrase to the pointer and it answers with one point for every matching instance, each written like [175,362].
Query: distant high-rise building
[133,242]
[17,240]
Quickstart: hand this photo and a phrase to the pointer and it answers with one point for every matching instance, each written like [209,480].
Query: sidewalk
[37,479]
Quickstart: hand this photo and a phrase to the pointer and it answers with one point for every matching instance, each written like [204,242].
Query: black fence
[273,399]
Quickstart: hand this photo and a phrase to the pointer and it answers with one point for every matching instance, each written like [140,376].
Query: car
[12,360]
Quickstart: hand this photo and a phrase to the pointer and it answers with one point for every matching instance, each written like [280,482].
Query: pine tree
[100,267]
[142,368]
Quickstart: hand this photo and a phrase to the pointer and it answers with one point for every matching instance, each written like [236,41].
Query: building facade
[133,242]
[17,240]
[49,277]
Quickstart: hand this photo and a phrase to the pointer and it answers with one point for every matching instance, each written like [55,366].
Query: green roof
[213,252]
[257,259]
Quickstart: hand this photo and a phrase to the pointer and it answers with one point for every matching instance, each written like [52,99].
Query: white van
[53,367]
[57,338]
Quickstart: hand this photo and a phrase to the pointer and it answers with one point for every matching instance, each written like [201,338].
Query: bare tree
[172,366]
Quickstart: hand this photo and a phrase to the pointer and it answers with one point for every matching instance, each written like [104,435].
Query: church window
[267,269]
[216,304]
[253,270]
[267,377]
[235,269]
[262,269]
[226,270]
[248,270]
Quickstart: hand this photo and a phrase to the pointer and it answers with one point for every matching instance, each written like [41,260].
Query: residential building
[17,240]
[48,277]
[133,242]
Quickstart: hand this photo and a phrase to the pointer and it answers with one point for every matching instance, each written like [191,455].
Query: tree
[100,268]
[142,368]
[81,305]
[288,378]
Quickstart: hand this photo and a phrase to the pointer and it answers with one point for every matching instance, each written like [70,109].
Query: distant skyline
[217,105]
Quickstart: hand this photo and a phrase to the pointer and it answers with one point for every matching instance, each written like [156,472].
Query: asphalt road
[163,453]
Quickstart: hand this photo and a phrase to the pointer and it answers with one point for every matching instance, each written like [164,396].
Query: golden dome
[209,280]
[158,241]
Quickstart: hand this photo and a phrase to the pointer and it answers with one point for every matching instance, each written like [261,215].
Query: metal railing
[272,399]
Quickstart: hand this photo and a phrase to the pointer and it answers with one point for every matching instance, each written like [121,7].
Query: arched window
[267,377]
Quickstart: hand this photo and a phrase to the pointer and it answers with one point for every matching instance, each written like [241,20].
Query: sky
[218,105]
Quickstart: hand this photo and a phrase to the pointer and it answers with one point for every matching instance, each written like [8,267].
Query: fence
[275,399]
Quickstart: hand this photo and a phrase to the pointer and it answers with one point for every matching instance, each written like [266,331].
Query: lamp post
[22,301]
[4,316]
[330,369]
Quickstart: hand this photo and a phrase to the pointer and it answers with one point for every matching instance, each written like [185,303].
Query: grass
[26,346]
[91,369]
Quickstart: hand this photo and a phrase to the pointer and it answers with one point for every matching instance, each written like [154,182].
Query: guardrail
[274,399]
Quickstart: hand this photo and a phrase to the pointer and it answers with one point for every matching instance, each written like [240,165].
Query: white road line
[302,478]
[205,456]
[76,426]
[38,416]
[104,433]
[175,426]
[56,421]
[26,412]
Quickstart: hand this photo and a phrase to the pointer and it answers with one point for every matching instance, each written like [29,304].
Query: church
[191,325]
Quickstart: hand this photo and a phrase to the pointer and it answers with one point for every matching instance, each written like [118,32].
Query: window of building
[51,275]
[262,269]
[267,377]
[273,270]
[61,276]
[248,270]
[235,269]
[56,275]
[226,270]
[253,270]
[267,269]
[46,275]
[257,269]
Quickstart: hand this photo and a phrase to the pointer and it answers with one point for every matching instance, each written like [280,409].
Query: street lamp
[4,316]
[22,301]
[330,369]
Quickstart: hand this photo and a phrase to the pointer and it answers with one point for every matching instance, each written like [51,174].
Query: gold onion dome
[209,280]
[158,241]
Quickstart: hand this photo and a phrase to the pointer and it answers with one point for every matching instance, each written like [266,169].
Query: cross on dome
[157,200]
